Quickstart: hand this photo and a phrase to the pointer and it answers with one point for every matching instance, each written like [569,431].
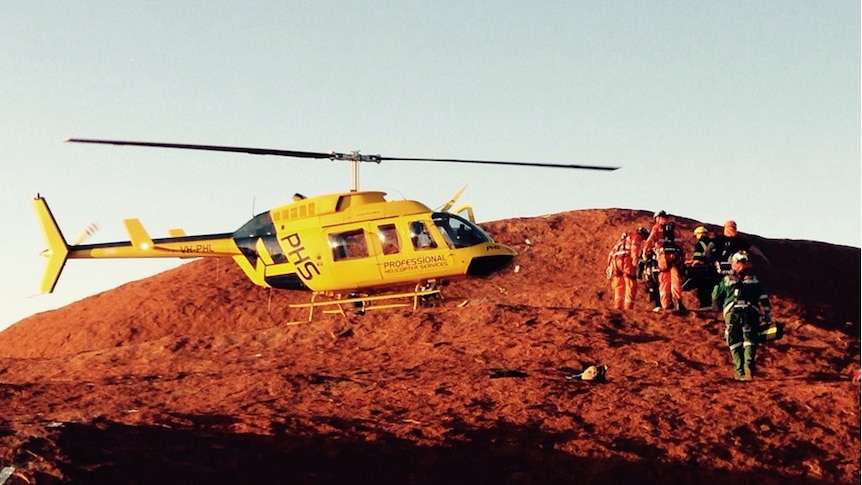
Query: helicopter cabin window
[459,232]
[348,245]
[420,236]
[389,238]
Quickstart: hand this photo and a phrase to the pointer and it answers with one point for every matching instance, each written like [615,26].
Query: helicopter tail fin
[57,251]
[140,239]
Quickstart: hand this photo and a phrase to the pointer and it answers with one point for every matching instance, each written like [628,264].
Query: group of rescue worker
[720,271]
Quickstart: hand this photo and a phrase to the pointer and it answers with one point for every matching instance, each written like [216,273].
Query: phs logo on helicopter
[351,242]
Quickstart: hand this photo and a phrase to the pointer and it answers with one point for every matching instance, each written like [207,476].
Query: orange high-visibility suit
[667,242]
[622,269]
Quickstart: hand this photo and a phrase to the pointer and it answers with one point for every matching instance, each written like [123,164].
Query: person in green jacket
[700,273]
[742,298]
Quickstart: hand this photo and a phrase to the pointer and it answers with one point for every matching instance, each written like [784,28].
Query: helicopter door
[353,266]
[410,251]
[392,252]
[389,242]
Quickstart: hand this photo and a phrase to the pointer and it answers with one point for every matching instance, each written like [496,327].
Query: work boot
[749,352]
[678,306]
[738,362]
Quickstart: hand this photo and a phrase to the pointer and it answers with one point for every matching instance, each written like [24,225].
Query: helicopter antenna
[354,157]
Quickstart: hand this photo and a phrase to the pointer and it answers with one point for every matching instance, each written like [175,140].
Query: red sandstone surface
[193,376]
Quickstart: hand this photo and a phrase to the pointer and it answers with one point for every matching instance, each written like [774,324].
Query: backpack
[622,255]
[668,253]
[745,291]
[668,236]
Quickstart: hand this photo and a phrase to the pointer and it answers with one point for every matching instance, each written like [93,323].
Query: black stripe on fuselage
[288,281]
[163,240]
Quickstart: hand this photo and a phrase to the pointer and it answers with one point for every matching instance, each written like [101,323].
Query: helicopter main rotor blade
[212,148]
[353,156]
[495,162]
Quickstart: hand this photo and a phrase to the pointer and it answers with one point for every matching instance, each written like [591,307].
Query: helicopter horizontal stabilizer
[138,235]
[140,240]
[57,251]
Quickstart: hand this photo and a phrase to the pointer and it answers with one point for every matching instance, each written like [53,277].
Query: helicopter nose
[497,256]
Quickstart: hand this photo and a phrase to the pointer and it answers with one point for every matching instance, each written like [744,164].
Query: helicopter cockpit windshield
[459,232]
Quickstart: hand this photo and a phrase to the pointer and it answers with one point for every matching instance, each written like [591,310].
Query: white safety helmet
[739,257]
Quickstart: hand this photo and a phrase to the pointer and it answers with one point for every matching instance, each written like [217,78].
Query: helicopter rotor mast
[354,157]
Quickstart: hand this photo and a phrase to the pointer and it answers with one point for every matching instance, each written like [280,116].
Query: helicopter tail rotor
[86,233]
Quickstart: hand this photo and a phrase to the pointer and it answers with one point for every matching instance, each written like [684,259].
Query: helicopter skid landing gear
[426,294]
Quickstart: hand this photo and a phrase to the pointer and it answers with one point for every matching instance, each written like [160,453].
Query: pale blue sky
[715,110]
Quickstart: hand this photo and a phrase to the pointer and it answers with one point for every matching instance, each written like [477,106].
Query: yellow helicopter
[356,243]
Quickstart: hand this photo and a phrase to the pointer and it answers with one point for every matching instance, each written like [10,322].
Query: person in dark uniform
[648,273]
[727,244]
[741,298]
[701,276]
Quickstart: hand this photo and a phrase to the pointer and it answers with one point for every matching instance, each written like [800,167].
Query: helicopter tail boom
[140,245]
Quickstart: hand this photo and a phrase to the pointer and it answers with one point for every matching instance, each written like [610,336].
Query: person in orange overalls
[667,242]
[623,267]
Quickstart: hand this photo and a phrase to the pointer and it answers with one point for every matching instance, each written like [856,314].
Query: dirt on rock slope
[194,376]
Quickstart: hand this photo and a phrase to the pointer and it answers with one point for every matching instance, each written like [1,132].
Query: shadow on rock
[107,452]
